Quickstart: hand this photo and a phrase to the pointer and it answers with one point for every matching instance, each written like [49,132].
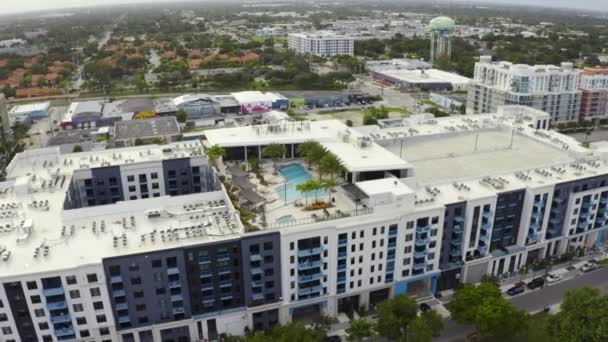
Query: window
[95,292]
[92,278]
[407,249]
[154,175]
[155,186]
[157,263]
[7,330]
[136,281]
[104,331]
[39,312]
[78,308]
[138,294]
[31,285]
[101,319]
[409,237]
[70,280]
[410,225]
[36,299]
[3,317]
[140,307]
[435,220]
[43,326]
[84,333]
[268,246]
[74,294]
[81,320]
[98,305]
[132,188]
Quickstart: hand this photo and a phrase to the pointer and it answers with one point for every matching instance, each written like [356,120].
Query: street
[534,301]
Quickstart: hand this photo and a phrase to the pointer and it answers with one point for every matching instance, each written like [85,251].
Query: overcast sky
[12,6]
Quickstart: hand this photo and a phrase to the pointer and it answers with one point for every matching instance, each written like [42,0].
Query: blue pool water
[295,174]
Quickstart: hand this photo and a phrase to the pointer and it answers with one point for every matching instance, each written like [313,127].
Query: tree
[274,151]
[498,318]
[434,320]
[76,149]
[181,116]
[349,123]
[304,188]
[359,330]
[468,298]
[330,164]
[327,184]
[419,331]
[394,316]
[214,153]
[310,150]
[583,317]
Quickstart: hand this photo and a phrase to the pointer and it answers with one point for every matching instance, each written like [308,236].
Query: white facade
[549,88]
[321,44]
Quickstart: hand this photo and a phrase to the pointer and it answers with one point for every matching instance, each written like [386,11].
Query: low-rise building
[594,93]
[321,43]
[430,79]
[159,130]
[28,113]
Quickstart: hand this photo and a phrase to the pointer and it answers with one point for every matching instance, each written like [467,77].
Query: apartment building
[426,205]
[549,88]
[594,93]
[321,43]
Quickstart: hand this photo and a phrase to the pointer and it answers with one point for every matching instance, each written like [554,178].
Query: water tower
[441,37]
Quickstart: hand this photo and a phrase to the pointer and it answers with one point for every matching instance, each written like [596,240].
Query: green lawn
[537,331]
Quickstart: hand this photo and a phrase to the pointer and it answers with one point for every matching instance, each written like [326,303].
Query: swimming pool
[295,174]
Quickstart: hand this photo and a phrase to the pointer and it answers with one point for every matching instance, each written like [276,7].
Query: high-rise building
[594,93]
[549,88]
[441,38]
[321,43]
[143,243]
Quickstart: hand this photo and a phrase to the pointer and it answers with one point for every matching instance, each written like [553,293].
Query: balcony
[486,226]
[392,232]
[310,251]
[457,229]
[119,293]
[539,203]
[60,319]
[204,260]
[223,257]
[205,274]
[533,236]
[177,298]
[178,311]
[487,214]
[124,319]
[116,279]
[65,332]
[423,229]
[53,292]
[421,254]
[174,284]
[257,296]
[310,277]
[61,305]
[390,267]
[582,225]
[342,242]
[256,270]
[224,270]
[208,299]
[309,265]
[392,244]
[455,252]
[172,270]
[535,226]
[255,283]
[584,215]
[122,306]
[537,215]
[226,297]
[342,255]
[341,280]
[483,250]
[484,237]
[342,266]
[255,258]
[422,242]
[310,290]
[459,218]
[586,205]
[420,265]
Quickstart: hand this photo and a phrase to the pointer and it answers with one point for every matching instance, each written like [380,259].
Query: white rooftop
[426,76]
[356,152]
[28,108]
[256,96]
[32,215]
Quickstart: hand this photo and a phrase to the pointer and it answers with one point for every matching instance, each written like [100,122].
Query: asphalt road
[553,294]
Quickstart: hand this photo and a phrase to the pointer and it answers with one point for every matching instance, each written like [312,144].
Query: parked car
[333,339]
[553,278]
[424,307]
[536,283]
[516,290]
[588,266]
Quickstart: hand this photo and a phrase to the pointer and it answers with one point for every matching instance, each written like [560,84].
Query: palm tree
[214,153]
[330,164]
[305,189]
[274,151]
[311,151]
[314,185]
[328,184]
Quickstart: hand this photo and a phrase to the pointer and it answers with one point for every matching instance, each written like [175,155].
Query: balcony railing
[335,216]
[309,265]
[423,229]
[309,252]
